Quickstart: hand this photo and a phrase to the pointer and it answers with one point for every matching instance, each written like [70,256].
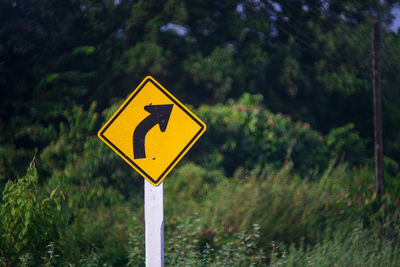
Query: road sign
[152,130]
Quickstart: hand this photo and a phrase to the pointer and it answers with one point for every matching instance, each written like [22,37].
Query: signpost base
[154,224]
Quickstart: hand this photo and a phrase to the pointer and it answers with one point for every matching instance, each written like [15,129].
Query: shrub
[245,134]
[185,246]
[30,219]
[286,207]
[187,187]
[345,143]
[90,172]
[353,198]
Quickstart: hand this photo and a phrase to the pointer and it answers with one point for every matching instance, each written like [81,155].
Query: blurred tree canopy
[284,88]
[309,59]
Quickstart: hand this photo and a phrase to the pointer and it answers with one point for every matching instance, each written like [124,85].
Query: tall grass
[358,247]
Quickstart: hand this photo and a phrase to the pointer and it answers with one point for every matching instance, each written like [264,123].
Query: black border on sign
[180,153]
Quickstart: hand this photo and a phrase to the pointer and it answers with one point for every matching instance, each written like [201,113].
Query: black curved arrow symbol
[159,114]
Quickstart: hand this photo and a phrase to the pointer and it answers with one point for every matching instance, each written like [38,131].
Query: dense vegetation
[283,176]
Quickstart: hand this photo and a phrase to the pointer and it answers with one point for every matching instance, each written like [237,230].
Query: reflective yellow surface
[163,149]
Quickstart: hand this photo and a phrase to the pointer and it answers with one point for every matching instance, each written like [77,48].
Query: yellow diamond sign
[152,130]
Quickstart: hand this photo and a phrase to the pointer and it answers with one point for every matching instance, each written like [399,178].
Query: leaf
[23,231]
[84,50]
[27,218]
[49,78]
[53,192]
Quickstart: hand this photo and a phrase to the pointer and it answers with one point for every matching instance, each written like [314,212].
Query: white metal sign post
[154,224]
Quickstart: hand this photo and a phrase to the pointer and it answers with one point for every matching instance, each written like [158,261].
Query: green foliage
[187,245]
[193,182]
[213,72]
[349,246]
[95,236]
[90,225]
[358,247]
[265,188]
[30,219]
[84,50]
[286,208]
[288,196]
[243,134]
[344,142]
[145,56]
[79,161]
[353,197]
[58,57]
[392,176]
[69,144]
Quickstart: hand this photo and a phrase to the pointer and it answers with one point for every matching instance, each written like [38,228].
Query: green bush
[187,187]
[345,143]
[188,244]
[96,235]
[90,172]
[353,197]
[243,133]
[286,207]
[30,219]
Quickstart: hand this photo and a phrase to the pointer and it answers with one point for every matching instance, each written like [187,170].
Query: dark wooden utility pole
[376,44]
